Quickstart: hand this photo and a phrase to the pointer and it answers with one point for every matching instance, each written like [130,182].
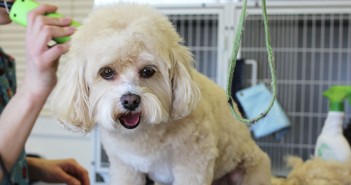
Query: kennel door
[312,45]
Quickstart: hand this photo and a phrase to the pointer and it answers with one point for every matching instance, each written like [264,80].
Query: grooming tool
[20,8]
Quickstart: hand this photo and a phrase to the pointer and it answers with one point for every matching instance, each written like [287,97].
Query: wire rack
[200,34]
[312,52]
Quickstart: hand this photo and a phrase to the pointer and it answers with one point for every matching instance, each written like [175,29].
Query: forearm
[16,123]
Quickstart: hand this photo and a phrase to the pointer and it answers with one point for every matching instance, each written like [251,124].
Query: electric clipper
[19,10]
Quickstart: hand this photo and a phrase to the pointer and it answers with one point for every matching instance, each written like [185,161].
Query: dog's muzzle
[130,102]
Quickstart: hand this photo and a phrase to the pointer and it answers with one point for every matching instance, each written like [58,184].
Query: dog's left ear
[185,92]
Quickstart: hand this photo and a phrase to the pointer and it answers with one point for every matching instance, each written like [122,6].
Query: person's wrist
[34,168]
[34,93]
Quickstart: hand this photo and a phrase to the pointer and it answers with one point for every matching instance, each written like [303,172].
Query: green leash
[232,65]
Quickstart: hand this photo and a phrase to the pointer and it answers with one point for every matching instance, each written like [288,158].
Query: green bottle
[331,143]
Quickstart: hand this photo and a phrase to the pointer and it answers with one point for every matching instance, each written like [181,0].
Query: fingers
[83,177]
[47,33]
[52,21]
[44,28]
[53,54]
[42,60]
[81,173]
[75,171]
[36,16]
[40,10]
[68,179]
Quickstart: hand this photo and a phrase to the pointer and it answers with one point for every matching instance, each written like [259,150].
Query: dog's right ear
[70,98]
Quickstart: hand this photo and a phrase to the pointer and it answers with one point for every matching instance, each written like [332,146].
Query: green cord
[232,65]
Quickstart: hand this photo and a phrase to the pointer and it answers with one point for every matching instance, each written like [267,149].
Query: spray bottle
[331,143]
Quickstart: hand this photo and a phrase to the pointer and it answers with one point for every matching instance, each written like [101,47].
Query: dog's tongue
[131,119]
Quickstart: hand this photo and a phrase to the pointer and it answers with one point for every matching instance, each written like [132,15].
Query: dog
[128,74]
[315,171]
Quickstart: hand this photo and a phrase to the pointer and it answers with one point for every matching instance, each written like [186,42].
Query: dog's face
[128,87]
[125,71]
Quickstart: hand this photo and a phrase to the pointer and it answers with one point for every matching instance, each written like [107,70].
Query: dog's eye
[147,72]
[107,73]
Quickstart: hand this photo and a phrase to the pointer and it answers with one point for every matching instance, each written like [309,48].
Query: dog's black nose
[130,101]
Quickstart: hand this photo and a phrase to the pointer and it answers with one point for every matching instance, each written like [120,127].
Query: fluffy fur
[129,75]
[316,172]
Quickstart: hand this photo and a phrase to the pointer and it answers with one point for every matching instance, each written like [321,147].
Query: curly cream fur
[186,136]
[315,171]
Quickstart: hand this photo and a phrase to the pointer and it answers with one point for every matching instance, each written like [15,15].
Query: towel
[255,101]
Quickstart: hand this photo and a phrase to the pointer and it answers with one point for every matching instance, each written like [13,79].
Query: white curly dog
[128,74]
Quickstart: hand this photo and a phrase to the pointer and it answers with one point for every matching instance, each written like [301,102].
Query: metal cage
[312,45]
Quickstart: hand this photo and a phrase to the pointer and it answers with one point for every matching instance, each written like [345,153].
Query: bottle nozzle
[337,95]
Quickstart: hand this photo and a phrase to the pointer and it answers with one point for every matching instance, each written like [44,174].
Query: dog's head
[126,68]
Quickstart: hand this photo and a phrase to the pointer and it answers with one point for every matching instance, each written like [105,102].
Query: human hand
[41,60]
[57,171]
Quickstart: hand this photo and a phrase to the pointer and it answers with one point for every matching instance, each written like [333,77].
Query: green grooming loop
[232,65]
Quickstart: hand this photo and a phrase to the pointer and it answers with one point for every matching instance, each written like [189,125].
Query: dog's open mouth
[130,120]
